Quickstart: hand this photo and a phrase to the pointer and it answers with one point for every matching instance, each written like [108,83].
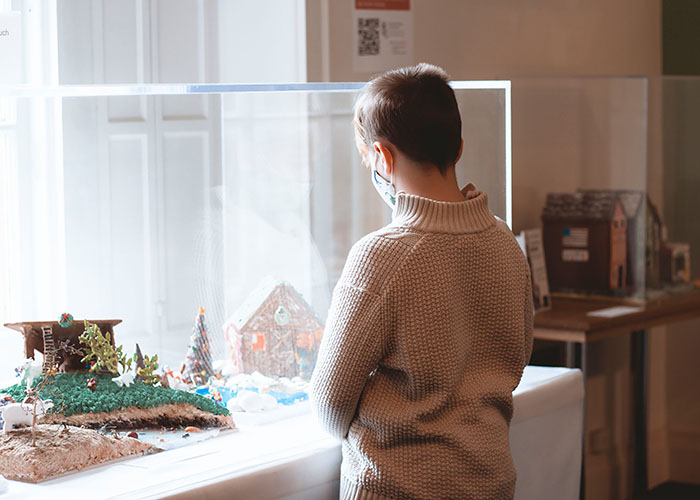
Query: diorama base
[61,450]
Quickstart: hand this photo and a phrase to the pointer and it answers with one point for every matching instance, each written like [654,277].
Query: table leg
[576,358]
[571,354]
[582,365]
[639,361]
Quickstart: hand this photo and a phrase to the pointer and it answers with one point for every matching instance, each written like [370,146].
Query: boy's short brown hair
[415,109]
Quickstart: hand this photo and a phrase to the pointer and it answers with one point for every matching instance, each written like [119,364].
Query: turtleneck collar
[468,216]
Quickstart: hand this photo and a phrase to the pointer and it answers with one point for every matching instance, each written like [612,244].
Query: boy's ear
[385,156]
[461,150]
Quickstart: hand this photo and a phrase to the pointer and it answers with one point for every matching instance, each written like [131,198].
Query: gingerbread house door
[282,353]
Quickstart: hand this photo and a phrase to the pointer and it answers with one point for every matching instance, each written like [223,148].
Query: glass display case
[606,167]
[146,202]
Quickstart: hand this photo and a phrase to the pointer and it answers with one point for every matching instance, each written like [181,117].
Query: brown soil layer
[60,450]
[170,415]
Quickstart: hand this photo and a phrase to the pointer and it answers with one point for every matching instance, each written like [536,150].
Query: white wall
[261,41]
[479,39]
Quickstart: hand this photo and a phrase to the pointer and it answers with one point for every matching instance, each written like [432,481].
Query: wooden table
[568,321]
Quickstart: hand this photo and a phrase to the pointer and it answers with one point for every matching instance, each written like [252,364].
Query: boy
[430,325]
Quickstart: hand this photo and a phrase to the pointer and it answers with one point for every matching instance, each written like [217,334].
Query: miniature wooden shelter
[675,262]
[57,343]
[585,239]
[275,332]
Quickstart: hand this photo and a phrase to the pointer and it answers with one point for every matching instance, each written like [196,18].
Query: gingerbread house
[275,332]
[585,238]
[653,246]
[644,235]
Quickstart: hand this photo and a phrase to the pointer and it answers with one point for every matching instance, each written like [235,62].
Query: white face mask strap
[392,186]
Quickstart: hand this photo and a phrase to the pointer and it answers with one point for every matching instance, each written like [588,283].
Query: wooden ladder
[49,350]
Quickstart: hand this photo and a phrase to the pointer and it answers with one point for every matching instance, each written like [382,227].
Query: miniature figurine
[125,379]
[29,371]
[25,413]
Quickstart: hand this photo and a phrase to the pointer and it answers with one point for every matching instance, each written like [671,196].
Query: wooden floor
[675,491]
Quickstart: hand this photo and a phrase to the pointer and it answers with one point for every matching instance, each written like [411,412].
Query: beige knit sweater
[428,332]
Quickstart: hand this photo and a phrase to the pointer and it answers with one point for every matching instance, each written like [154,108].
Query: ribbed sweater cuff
[352,491]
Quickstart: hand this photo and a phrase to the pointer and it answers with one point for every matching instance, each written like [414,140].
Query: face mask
[386,189]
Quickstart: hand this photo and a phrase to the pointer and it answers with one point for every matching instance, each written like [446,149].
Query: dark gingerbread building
[585,240]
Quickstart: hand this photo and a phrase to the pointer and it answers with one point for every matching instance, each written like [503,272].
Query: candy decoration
[92,384]
[66,320]
[281,316]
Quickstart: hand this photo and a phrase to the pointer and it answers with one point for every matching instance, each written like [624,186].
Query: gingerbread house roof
[22,326]
[631,199]
[254,302]
[587,205]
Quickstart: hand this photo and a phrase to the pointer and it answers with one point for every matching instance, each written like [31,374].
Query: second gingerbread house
[275,332]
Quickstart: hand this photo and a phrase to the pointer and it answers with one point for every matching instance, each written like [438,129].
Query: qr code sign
[368,31]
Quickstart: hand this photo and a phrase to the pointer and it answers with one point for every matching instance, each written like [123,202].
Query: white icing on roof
[246,311]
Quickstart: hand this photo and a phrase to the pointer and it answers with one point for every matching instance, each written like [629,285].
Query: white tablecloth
[292,459]
[546,433]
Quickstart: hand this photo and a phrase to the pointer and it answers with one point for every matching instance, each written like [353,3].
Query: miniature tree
[146,367]
[147,372]
[138,362]
[198,362]
[66,348]
[39,405]
[99,347]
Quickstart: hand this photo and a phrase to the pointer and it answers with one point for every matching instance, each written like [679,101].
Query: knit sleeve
[350,350]
[355,338]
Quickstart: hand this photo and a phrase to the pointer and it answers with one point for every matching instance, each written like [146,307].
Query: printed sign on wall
[382,35]
[11,47]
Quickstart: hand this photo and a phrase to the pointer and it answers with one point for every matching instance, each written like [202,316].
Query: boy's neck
[429,183]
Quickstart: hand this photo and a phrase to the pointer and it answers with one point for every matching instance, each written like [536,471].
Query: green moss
[71,395]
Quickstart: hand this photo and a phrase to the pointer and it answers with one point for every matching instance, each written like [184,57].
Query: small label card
[612,312]
[531,240]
